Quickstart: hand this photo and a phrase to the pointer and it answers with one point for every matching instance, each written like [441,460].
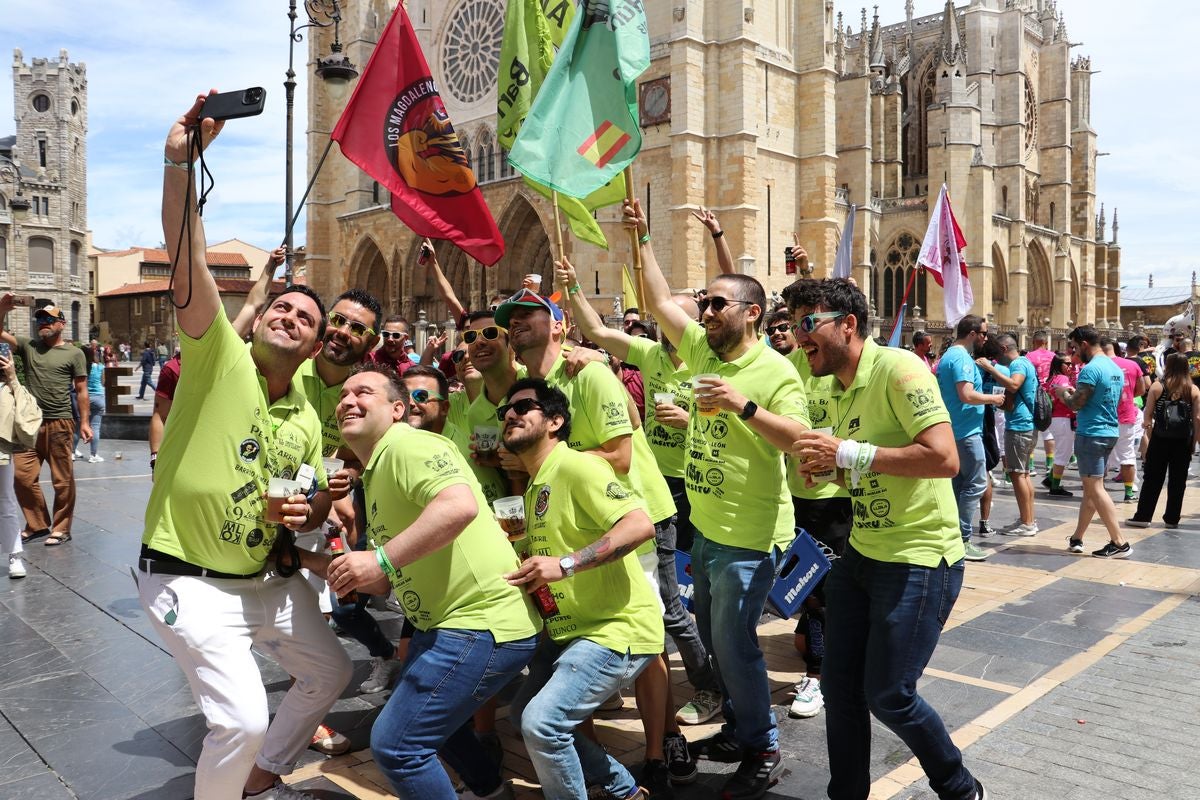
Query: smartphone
[234,105]
[23,300]
[5,350]
[423,257]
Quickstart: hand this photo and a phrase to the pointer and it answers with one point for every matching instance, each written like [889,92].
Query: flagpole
[635,240]
[904,301]
[558,234]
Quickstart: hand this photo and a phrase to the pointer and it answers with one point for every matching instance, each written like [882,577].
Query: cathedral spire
[864,46]
[1101,224]
[876,44]
[839,47]
[1114,239]
[953,49]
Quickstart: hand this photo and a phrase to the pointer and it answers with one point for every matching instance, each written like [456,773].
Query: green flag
[582,128]
[579,212]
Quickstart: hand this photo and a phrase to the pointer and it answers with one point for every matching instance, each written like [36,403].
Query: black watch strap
[750,410]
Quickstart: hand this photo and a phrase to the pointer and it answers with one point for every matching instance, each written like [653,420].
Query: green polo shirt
[223,442]
[892,399]
[459,428]
[574,499]
[600,412]
[821,411]
[323,397]
[736,480]
[659,374]
[460,586]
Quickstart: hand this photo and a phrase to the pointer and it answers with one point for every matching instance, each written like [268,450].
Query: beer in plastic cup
[825,475]
[664,398]
[536,280]
[702,381]
[487,439]
[332,465]
[278,491]
[510,513]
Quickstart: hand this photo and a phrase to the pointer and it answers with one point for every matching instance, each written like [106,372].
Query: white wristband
[847,452]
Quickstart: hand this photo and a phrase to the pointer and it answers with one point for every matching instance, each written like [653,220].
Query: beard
[521,439]
[723,339]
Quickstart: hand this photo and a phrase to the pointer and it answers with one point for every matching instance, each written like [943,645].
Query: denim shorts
[1091,454]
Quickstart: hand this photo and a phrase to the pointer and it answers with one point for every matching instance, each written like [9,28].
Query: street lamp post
[334,69]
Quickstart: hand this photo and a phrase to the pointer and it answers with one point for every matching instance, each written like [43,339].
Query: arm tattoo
[1080,397]
[600,552]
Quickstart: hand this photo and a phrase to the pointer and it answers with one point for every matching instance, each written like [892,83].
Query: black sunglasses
[522,407]
[780,328]
[423,396]
[718,303]
[491,333]
[457,356]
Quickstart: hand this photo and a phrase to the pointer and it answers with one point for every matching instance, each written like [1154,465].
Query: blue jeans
[448,675]
[971,481]
[146,373]
[565,685]
[1091,454]
[730,590]
[95,417]
[677,621]
[883,623]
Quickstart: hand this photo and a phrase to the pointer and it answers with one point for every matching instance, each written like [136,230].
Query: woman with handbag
[1172,422]
[20,419]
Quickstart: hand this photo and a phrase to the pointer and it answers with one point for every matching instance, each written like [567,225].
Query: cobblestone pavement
[1060,676]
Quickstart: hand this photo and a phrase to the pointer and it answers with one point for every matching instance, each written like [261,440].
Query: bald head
[688,304]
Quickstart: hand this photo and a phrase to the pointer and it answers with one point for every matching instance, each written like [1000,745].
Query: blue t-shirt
[1098,417]
[956,367]
[1021,417]
[95,381]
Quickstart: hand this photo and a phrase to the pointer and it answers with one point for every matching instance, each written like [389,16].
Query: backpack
[1172,419]
[1043,408]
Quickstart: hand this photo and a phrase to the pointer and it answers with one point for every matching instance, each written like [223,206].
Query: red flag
[396,129]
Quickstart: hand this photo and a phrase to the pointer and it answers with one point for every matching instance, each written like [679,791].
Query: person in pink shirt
[395,335]
[1061,420]
[1040,356]
[1129,417]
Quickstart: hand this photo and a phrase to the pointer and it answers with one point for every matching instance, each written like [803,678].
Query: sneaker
[1058,491]
[490,742]
[505,792]
[1046,481]
[95,459]
[679,761]
[1075,545]
[16,567]
[76,456]
[985,528]
[717,747]
[1137,523]
[328,741]
[980,792]
[1111,550]
[973,552]
[614,703]
[756,774]
[655,780]
[809,701]
[1129,499]
[281,791]
[703,706]
[1170,525]
[383,673]
[1021,529]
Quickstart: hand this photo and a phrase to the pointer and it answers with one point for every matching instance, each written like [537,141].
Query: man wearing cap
[52,365]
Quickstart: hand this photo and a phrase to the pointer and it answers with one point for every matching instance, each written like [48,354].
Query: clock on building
[471,49]
[655,101]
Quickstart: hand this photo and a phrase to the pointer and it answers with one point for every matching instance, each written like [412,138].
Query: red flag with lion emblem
[396,129]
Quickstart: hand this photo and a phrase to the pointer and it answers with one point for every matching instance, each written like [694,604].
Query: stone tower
[45,165]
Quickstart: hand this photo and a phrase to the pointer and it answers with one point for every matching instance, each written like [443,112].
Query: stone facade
[43,192]
[777,117]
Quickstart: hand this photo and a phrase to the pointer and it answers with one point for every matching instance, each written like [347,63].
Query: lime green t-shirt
[906,520]
[599,412]
[462,585]
[574,499]
[659,374]
[736,480]
[323,398]
[459,426]
[820,415]
[223,441]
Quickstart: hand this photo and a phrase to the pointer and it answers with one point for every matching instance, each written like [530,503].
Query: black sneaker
[1111,550]
[679,760]
[1058,491]
[756,774]
[1134,522]
[1046,481]
[980,792]
[1075,545]
[655,780]
[717,747]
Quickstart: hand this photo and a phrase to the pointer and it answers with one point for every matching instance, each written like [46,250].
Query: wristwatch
[568,566]
[749,411]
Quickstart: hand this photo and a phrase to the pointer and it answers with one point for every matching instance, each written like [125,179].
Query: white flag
[941,254]
[842,262]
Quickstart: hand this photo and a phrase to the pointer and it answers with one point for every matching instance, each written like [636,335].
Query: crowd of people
[523,497]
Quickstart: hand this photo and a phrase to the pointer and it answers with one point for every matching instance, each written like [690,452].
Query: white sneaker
[809,700]
[505,792]
[1021,529]
[703,706]
[383,674]
[281,791]
[95,459]
[614,703]
[76,456]
[16,567]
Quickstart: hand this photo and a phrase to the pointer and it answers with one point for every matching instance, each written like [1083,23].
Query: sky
[146,60]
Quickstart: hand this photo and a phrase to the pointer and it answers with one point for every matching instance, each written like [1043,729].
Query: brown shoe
[57,538]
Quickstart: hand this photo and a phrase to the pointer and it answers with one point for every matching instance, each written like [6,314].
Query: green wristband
[385,564]
[645,239]
[576,289]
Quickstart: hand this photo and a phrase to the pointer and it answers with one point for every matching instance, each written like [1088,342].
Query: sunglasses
[457,356]
[491,333]
[718,303]
[356,328]
[522,407]
[780,328]
[423,396]
[809,323]
[390,334]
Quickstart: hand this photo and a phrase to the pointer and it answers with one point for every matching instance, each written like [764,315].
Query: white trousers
[210,625]
[11,519]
